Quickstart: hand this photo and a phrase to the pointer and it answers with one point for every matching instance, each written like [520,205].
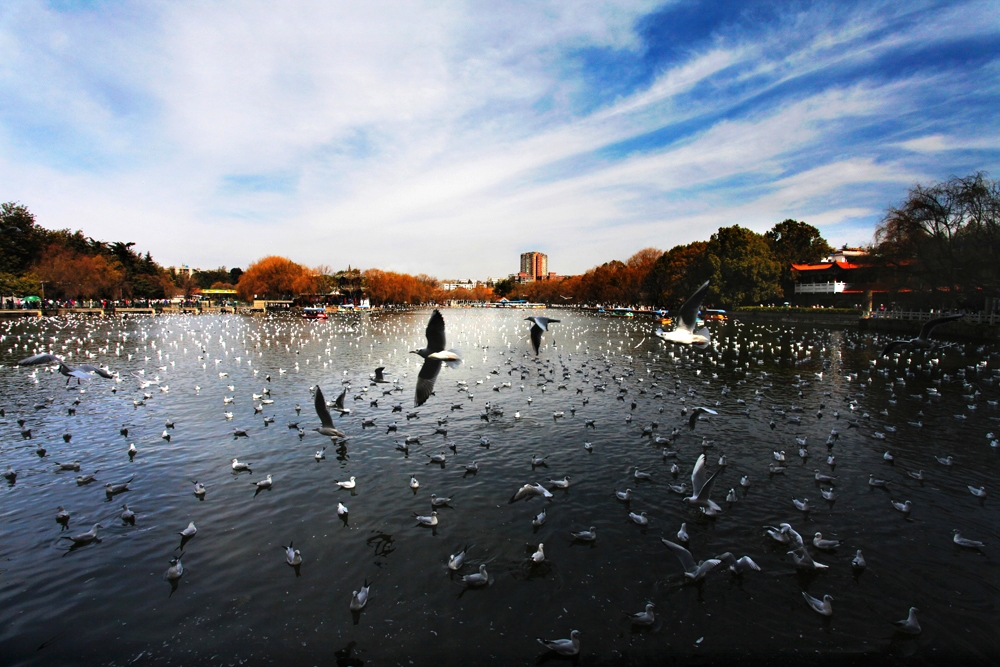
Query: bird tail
[457,361]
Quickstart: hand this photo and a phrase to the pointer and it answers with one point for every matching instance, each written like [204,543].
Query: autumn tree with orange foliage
[71,275]
[276,277]
[389,287]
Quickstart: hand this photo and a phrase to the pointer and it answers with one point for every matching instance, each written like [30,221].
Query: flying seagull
[923,340]
[684,333]
[434,355]
[538,325]
[324,416]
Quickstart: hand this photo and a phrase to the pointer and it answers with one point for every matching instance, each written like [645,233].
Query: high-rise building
[535,265]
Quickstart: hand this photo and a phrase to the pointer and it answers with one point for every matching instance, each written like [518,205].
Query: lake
[238,602]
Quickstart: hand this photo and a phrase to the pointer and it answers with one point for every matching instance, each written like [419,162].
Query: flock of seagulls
[678,384]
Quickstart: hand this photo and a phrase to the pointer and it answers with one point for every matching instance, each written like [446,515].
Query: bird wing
[378,373]
[95,369]
[698,475]
[747,563]
[689,311]
[520,493]
[536,337]
[321,411]
[425,380]
[728,558]
[683,555]
[40,359]
[339,402]
[706,490]
[435,333]
[887,350]
[925,331]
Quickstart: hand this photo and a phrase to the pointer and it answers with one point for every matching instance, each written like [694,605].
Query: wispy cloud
[448,138]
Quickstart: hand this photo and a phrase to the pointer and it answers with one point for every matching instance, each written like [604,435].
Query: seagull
[945,460]
[292,556]
[189,532]
[338,404]
[263,484]
[478,579]
[639,518]
[238,466]
[978,493]
[538,325]
[858,562]
[455,561]
[804,561]
[685,333]
[560,483]
[692,571]
[585,535]
[644,617]
[324,417]
[431,520]
[823,606]
[349,484]
[528,491]
[909,625]
[320,454]
[539,519]
[801,505]
[84,538]
[824,544]
[738,565]
[682,534]
[964,542]
[880,483]
[905,508]
[701,487]
[569,646]
[539,554]
[922,341]
[434,354]
[176,569]
[623,496]
[360,598]
[696,414]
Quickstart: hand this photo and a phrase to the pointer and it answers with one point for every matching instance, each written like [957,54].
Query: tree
[503,288]
[69,274]
[21,240]
[275,277]
[676,274]
[743,269]
[943,239]
[792,241]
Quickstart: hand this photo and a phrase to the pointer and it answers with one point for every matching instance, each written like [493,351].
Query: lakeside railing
[924,315]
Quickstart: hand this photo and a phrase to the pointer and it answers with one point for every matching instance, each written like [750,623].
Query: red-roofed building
[840,280]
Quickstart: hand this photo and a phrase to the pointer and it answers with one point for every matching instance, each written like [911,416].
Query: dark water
[239,603]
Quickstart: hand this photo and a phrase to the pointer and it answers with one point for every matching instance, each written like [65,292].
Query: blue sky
[447,138]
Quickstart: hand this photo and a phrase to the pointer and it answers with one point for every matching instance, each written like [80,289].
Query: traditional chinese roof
[824,266]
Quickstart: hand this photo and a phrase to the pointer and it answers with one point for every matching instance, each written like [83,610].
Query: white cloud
[444,138]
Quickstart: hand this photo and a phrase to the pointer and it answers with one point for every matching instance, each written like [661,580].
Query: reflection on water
[239,602]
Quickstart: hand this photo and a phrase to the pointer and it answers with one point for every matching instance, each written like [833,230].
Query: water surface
[239,603]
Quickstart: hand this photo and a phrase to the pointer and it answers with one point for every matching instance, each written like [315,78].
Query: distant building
[535,265]
[183,270]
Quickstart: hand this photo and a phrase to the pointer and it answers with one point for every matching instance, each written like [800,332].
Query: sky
[447,138]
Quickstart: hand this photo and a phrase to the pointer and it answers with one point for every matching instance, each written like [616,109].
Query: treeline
[63,264]
[744,268]
[280,277]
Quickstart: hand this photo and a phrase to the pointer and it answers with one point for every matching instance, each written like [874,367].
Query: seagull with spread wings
[434,354]
[922,341]
[684,333]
